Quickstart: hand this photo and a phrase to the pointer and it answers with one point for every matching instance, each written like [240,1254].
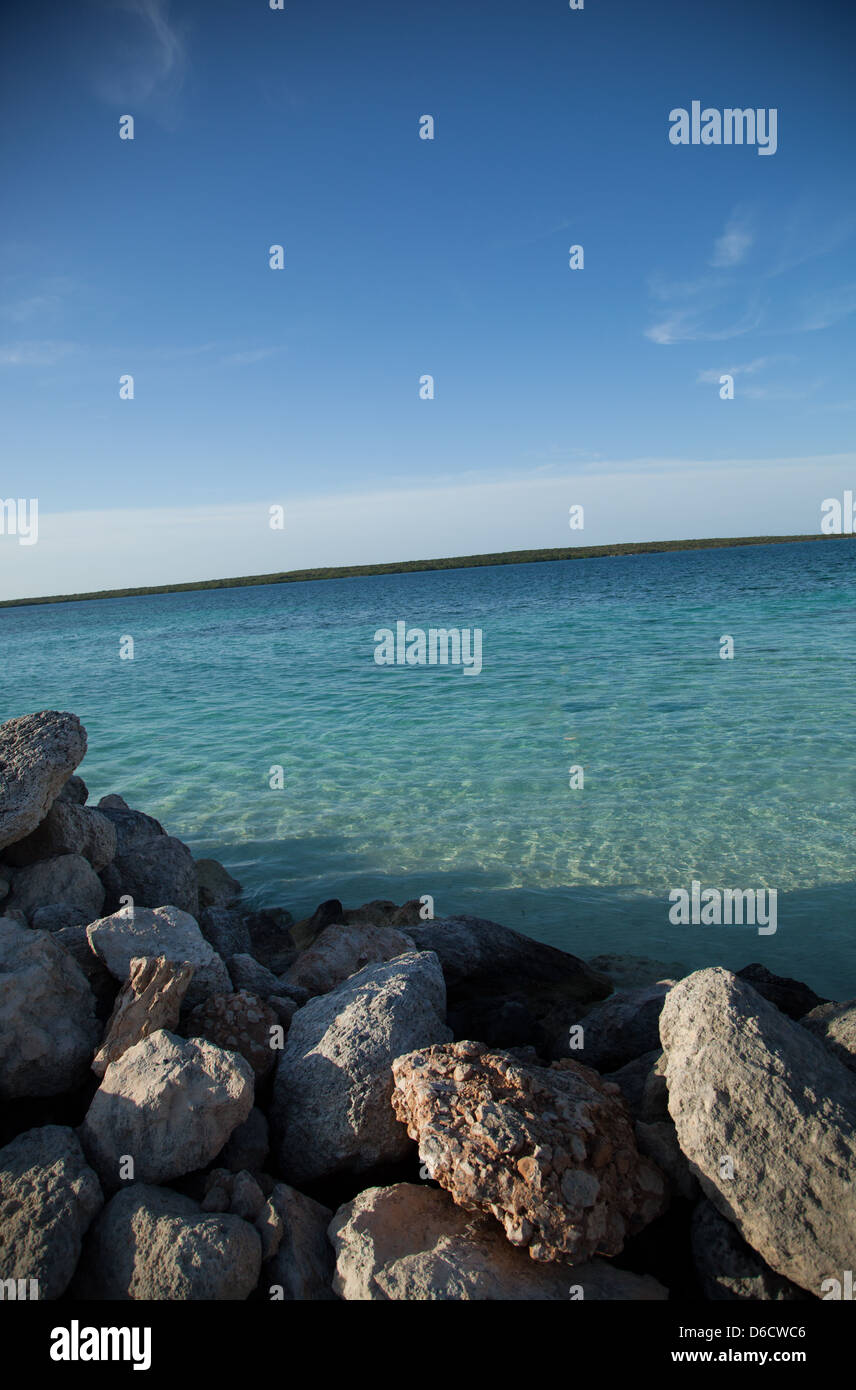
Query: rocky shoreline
[206,1102]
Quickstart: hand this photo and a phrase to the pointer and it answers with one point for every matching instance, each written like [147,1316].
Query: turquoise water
[401,781]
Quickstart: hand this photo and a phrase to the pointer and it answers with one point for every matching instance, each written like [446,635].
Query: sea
[613,749]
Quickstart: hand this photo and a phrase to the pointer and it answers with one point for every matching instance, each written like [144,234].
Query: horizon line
[507,557]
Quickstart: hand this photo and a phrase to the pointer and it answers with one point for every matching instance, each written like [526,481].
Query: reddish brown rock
[548,1150]
[239,1022]
[151,998]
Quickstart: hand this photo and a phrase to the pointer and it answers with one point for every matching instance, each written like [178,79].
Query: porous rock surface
[549,1151]
[767,1117]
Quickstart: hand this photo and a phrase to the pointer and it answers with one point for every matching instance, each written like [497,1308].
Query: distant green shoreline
[508,557]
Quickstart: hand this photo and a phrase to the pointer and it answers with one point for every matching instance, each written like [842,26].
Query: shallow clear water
[400,781]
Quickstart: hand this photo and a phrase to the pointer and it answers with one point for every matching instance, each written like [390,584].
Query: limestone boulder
[160,931]
[152,1244]
[303,1263]
[67,829]
[331,1108]
[38,754]
[767,1117]
[48,1197]
[240,1022]
[48,1027]
[339,952]
[68,880]
[412,1243]
[160,870]
[170,1104]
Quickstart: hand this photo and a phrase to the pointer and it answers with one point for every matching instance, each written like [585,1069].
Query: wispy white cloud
[780,392]
[685,326]
[41,299]
[243,359]
[34,353]
[734,243]
[712,374]
[149,59]
[808,234]
[823,310]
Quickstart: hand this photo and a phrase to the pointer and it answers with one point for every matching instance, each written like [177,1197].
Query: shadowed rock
[48,1197]
[151,1244]
[68,880]
[48,1028]
[835,1026]
[507,989]
[67,829]
[38,754]
[791,997]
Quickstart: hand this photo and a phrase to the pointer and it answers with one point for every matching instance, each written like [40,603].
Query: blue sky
[405,257]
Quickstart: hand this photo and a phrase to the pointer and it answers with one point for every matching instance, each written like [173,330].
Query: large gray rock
[67,829]
[217,887]
[659,1142]
[412,1243]
[339,952]
[69,879]
[752,1091]
[331,1109]
[227,931]
[168,1103]
[160,931]
[48,1197]
[835,1026]
[59,917]
[303,1265]
[246,973]
[634,1082]
[133,828]
[48,1028]
[634,972]
[74,791]
[506,989]
[75,941]
[728,1270]
[151,1244]
[160,870]
[791,997]
[271,941]
[622,1027]
[38,754]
